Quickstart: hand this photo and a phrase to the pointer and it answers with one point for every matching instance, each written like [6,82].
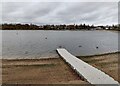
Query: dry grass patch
[107,63]
[36,71]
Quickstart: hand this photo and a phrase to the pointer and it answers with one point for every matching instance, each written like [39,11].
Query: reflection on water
[34,44]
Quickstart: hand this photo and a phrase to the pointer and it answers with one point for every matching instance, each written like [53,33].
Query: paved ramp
[88,72]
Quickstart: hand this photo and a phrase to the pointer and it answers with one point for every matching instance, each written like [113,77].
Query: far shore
[63,30]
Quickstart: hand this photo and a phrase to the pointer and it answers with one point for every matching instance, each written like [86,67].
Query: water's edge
[87,56]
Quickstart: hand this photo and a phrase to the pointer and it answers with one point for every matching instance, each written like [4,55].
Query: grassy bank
[107,63]
[38,71]
[54,70]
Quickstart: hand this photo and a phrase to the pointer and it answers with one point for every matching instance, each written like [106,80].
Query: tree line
[56,27]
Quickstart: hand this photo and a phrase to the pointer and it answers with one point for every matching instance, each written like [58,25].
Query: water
[37,43]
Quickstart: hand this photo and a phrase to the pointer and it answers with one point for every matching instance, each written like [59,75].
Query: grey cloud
[60,12]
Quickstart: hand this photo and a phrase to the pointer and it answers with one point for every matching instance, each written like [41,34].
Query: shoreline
[57,56]
[117,52]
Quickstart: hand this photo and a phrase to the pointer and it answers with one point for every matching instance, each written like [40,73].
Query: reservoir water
[40,43]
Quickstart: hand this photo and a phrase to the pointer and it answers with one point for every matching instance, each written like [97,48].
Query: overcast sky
[97,13]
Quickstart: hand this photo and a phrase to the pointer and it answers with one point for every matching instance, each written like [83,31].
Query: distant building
[41,27]
[98,28]
[106,28]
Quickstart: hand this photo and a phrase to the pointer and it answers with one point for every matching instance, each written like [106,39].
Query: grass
[107,63]
[32,65]
[38,72]
[91,56]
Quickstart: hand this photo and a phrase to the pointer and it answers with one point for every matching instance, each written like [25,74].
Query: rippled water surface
[37,43]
